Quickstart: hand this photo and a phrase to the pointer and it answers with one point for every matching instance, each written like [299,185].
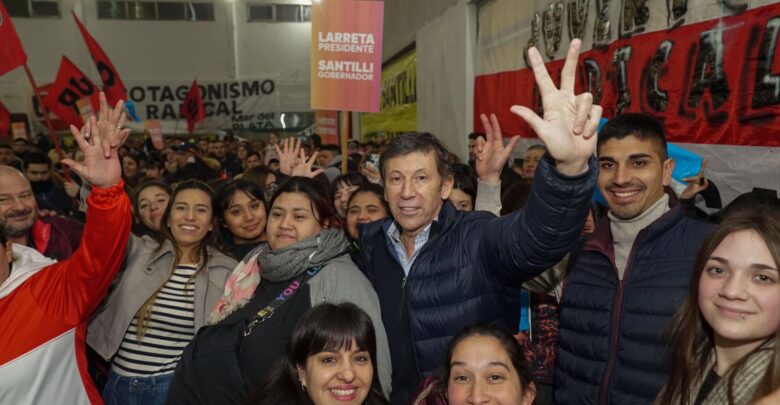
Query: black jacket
[470,269]
[611,347]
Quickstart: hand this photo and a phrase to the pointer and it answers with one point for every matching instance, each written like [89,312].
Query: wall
[228,47]
[445,76]
[403,18]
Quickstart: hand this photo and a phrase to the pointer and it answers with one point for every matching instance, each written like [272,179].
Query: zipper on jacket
[617,307]
[405,302]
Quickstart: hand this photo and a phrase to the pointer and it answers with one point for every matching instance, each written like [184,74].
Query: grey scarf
[288,262]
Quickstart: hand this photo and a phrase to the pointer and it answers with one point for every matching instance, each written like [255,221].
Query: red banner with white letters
[714,82]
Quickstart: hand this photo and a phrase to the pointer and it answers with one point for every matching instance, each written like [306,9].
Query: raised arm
[491,156]
[568,128]
[74,287]
[521,245]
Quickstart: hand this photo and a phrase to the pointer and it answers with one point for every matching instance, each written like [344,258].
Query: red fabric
[192,109]
[112,84]
[63,295]
[5,121]
[56,122]
[71,86]
[11,51]
[742,108]
[41,235]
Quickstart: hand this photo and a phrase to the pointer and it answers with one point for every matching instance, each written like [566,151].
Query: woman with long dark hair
[726,336]
[264,178]
[367,204]
[161,298]
[131,169]
[464,190]
[484,364]
[331,356]
[342,188]
[149,204]
[305,262]
[242,208]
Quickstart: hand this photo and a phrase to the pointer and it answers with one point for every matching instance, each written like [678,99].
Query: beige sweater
[745,382]
[624,231]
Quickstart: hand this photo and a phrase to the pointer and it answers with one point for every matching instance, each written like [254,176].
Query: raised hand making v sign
[568,128]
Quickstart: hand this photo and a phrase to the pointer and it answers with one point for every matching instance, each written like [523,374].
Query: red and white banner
[714,82]
[327,126]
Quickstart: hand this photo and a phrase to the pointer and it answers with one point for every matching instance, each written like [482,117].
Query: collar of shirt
[397,247]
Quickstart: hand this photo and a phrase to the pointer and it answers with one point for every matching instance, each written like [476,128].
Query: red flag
[5,121]
[11,52]
[64,94]
[192,109]
[56,122]
[112,83]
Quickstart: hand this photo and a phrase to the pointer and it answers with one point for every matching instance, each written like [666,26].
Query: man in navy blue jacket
[625,282]
[437,270]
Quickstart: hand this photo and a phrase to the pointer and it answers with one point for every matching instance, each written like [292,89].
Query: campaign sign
[346,55]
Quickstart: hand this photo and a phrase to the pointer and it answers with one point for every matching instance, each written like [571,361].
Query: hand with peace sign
[99,140]
[568,128]
[491,154]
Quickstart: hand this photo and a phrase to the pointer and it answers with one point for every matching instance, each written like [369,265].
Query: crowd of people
[222,271]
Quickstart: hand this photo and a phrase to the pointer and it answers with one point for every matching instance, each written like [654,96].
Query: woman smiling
[304,263]
[726,336]
[161,298]
[243,211]
[330,359]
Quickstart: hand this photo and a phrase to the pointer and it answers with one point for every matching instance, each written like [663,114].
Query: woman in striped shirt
[161,299]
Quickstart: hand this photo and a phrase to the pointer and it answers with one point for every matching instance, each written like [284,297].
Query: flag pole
[45,113]
[344,121]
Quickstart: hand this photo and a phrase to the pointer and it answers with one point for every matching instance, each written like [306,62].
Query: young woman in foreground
[330,358]
[725,337]
[484,364]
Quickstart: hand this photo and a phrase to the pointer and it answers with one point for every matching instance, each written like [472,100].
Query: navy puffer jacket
[611,346]
[470,269]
